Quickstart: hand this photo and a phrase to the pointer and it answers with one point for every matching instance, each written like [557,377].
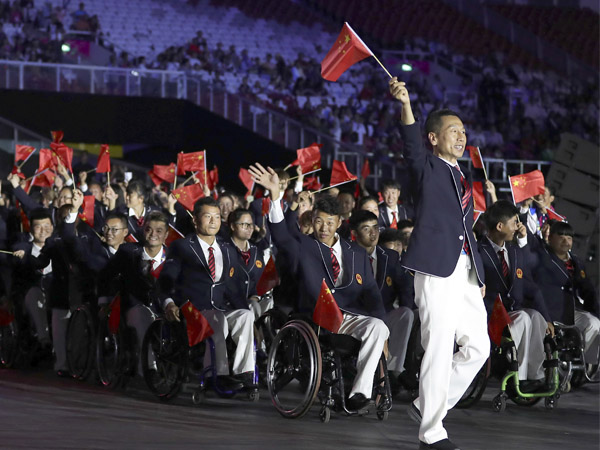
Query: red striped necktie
[211,262]
[467,192]
[336,266]
[504,264]
[245,256]
[394,223]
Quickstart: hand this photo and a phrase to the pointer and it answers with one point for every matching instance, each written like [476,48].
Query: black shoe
[444,444]
[229,383]
[414,413]
[529,386]
[409,382]
[394,383]
[356,402]
[247,379]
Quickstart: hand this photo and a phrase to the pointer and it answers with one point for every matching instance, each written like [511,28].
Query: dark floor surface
[39,410]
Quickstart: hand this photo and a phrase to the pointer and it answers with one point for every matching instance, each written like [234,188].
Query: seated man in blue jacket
[346,271]
[507,273]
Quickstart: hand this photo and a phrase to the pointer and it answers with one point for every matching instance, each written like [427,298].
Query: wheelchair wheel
[9,345]
[294,369]
[269,325]
[81,343]
[382,390]
[166,343]
[475,390]
[113,360]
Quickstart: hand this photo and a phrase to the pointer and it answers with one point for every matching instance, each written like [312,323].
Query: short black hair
[501,211]
[390,184]
[92,182]
[360,217]
[281,173]
[328,205]
[364,200]
[389,235]
[405,223]
[433,124]
[237,214]
[39,214]
[562,228]
[117,215]
[157,216]
[204,201]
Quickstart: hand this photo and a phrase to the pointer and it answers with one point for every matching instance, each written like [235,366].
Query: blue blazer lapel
[382,261]
[195,246]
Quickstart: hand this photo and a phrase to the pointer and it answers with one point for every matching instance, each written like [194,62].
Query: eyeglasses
[113,230]
[244,225]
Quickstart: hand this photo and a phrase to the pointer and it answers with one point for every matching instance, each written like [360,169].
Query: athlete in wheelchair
[573,306]
[205,271]
[298,357]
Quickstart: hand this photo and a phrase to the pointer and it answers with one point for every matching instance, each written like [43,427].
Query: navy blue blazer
[310,261]
[441,225]
[519,291]
[384,220]
[185,276]
[130,275]
[561,291]
[252,271]
[388,276]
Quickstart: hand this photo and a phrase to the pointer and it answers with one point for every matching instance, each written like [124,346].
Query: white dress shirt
[218,257]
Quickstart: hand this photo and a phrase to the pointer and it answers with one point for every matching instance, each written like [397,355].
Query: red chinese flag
[57,136]
[498,321]
[312,184]
[165,173]
[268,279]
[309,158]
[246,179]
[366,170]
[103,160]
[189,195]
[555,216]
[114,316]
[131,239]
[24,221]
[347,50]
[478,196]
[173,235]
[23,152]
[475,156]
[156,180]
[64,154]
[15,171]
[198,327]
[526,185]
[88,210]
[44,179]
[191,162]
[6,317]
[213,178]
[340,174]
[47,160]
[327,314]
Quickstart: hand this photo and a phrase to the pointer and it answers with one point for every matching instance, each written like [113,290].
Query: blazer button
[562,288]
[246,282]
[333,291]
[461,237]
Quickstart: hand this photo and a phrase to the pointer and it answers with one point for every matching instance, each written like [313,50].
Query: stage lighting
[66,48]
[407,67]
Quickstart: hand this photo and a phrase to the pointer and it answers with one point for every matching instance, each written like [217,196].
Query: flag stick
[36,174]
[304,174]
[7,252]
[386,71]
[287,167]
[188,211]
[190,177]
[88,171]
[23,163]
[483,164]
[108,178]
[335,185]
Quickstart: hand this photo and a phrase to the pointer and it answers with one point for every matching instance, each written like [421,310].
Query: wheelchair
[302,367]
[116,353]
[573,369]
[81,341]
[176,366]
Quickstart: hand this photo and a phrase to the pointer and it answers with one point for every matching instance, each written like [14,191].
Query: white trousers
[140,318]
[260,307]
[240,324]
[590,327]
[34,305]
[400,322]
[60,323]
[372,333]
[528,330]
[450,309]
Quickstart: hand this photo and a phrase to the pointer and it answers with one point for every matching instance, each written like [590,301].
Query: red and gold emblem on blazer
[582,273]
[519,273]
[259,264]
[231,272]
[358,278]
[388,280]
